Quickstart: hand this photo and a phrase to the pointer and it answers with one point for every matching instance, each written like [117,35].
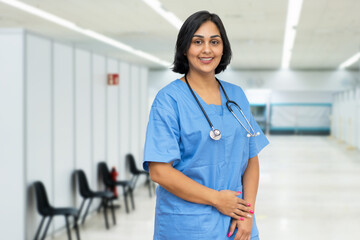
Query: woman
[207,184]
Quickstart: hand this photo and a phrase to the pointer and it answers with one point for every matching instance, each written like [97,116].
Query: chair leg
[132,198]
[125,199]
[153,186]
[68,227]
[105,213]
[46,228]
[87,211]
[39,228]
[149,184]
[76,226]
[113,211]
[81,207]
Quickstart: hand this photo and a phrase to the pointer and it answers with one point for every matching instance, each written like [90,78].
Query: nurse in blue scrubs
[204,158]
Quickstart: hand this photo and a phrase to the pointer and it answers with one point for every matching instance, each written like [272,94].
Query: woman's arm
[179,184]
[250,188]
[251,181]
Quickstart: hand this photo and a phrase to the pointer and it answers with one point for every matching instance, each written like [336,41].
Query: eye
[214,42]
[198,42]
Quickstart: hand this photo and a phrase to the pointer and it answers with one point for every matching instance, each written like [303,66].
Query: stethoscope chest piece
[215,134]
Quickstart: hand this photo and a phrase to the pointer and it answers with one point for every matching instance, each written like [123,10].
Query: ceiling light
[292,20]
[169,16]
[350,61]
[70,25]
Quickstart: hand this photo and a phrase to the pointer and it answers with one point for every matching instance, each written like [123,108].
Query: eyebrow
[201,36]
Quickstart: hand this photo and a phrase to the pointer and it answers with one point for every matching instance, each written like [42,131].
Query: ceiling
[328,32]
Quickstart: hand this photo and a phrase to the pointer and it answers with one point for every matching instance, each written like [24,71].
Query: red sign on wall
[113,79]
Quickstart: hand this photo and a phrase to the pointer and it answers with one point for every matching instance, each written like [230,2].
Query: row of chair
[107,197]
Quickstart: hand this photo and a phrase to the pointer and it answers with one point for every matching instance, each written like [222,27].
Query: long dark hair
[186,33]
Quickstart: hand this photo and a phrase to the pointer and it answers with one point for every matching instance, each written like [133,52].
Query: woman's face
[206,49]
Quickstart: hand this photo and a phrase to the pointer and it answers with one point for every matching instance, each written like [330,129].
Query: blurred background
[77,79]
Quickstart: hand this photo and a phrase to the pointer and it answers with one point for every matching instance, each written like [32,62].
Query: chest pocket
[237,143]
[197,148]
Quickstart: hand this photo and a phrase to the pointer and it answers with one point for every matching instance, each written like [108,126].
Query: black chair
[46,210]
[130,160]
[87,193]
[109,184]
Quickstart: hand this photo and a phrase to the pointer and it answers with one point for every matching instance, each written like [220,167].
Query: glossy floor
[309,190]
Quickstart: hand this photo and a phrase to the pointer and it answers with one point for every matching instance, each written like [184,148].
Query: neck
[201,81]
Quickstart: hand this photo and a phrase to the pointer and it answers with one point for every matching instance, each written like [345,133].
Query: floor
[309,189]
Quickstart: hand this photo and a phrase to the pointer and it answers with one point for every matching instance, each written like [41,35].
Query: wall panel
[144,113]
[124,115]
[112,117]
[12,134]
[83,130]
[134,111]
[98,110]
[63,128]
[39,164]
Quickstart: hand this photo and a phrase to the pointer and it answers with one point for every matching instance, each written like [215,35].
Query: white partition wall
[124,116]
[341,116]
[63,126]
[346,112]
[135,112]
[351,139]
[334,116]
[38,124]
[83,116]
[57,115]
[112,117]
[144,113]
[98,111]
[12,149]
[357,100]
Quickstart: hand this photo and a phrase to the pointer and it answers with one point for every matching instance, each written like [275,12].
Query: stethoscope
[215,133]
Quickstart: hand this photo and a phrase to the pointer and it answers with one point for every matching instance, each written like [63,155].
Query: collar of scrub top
[215,134]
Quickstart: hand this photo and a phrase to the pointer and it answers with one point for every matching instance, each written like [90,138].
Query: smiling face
[205,50]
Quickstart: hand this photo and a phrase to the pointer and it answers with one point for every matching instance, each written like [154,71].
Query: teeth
[206,59]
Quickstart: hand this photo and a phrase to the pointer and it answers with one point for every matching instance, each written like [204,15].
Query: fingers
[243,202]
[242,214]
[238,235]
[232,228]
[245,237]
[243,208]
[232,206]
[237,193]
[237,217]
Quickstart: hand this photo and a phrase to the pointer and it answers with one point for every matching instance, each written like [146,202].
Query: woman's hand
[229,204]
[243,229]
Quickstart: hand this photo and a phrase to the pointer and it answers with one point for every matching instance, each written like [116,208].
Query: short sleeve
[259,142]
[162,137]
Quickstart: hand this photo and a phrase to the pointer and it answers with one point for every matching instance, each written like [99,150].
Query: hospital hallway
[309,190]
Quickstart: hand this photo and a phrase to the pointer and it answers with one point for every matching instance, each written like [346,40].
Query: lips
[206,60]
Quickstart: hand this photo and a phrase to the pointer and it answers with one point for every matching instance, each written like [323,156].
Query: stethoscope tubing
[197,100]
[228,102]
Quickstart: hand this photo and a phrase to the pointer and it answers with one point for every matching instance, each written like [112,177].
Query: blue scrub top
[178,132]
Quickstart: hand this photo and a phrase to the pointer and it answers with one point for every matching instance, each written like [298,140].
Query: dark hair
[186,33]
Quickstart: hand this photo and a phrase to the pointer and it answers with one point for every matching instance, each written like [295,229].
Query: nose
[207,48]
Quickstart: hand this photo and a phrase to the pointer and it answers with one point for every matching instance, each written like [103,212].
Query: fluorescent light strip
[169,16]
[292,20]
[350,61]
[70,25]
